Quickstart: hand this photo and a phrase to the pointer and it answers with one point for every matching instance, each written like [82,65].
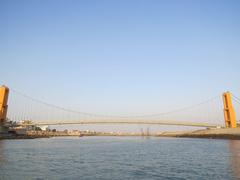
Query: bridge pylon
[4,91]
[229,113]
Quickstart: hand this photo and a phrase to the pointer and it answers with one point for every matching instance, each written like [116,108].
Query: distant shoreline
[225,133]
[222,133]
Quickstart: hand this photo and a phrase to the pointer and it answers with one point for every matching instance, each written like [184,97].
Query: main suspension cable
[236,98]
[114,116]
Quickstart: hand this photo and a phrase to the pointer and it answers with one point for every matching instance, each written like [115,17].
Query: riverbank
[221,133]
[39,134]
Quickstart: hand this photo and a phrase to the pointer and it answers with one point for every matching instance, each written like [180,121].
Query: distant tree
[38,129]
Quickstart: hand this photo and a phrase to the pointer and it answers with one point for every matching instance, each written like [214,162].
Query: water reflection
[234,146]
[2,159]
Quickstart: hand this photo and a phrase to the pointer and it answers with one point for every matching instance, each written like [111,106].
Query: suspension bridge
[214,112]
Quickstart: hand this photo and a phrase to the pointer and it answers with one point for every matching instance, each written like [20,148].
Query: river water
[119,158]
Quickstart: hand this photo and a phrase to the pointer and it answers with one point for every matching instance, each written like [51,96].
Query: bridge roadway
[150,122]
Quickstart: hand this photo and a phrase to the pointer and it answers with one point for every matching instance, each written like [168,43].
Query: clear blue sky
[120,57]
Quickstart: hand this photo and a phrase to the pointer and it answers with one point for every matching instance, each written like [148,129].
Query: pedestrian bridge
[217,111]
[148,122]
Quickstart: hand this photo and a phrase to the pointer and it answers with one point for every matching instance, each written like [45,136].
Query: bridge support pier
[229,113]
[3,129]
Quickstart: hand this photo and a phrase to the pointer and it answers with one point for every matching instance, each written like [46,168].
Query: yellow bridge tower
[229,113]
[4,91]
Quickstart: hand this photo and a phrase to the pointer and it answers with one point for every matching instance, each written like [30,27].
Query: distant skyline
[120,57]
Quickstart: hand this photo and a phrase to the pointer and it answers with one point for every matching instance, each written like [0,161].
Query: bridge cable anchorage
[114,116]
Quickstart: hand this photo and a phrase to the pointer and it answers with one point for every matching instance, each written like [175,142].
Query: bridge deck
[174,123]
